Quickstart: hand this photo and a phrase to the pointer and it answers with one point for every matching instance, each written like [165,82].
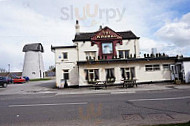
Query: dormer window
[123,53]
[90,54]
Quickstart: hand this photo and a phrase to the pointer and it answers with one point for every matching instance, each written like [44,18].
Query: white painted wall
[33,65]
[86,46]
[141,74]
[186,65]
[69,64]
[129,45]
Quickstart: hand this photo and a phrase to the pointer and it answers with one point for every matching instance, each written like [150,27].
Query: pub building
[107,55]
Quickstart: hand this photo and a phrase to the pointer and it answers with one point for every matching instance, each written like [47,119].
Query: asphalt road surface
[141,108]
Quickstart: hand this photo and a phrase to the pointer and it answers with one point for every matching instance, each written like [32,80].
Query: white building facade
[106,55]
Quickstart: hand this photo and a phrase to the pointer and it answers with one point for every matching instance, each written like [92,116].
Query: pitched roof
[33,47]
[87,36]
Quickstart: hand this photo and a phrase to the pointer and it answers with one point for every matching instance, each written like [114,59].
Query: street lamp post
[9,67]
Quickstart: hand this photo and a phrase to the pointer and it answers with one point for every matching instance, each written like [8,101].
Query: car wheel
[4,85]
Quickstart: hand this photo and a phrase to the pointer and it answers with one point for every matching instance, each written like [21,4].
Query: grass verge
[40,79]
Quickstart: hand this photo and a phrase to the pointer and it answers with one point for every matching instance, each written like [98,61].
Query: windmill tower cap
[37,47]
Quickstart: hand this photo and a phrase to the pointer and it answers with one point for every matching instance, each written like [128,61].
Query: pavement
[49,87]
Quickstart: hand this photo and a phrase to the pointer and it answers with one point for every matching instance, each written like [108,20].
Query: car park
[3,82]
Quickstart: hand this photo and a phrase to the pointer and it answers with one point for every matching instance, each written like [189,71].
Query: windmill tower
[33,61]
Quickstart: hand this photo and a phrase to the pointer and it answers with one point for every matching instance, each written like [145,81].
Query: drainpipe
[76,62]
[135,50]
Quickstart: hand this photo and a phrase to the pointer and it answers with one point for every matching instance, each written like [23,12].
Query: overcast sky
[161,24]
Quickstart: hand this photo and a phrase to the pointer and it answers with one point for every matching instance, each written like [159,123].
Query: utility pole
[9,68]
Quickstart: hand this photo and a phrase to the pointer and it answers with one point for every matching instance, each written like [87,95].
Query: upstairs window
[155,67]
[123,53]
[65,55]
[90,54]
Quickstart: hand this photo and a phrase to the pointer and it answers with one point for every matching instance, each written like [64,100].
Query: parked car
[9,79]
[19,80]
[3,82]
[26,78]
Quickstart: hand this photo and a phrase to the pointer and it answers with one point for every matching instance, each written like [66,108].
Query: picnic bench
[97,84]
[129,83]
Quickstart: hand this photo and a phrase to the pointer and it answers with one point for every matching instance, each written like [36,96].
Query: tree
[52,68]
[2,70]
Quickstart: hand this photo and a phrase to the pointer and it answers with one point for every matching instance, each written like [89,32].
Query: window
[155,67]
[166,66]
[91,75]
[123,53]
[90,54]
[65,55]
[66,74]
[128,73]
[110,75]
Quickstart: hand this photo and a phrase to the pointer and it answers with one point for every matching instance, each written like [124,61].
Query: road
[50,109]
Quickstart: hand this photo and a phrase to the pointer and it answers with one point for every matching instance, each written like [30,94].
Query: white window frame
[123,51]
[128,70]
[91,54]
[152,67]
[66,71]
[166,67]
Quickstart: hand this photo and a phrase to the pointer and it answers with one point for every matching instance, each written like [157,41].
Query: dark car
[26,78]
[3,82]
[9,79]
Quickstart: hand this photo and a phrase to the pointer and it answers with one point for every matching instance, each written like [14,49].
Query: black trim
[62,47]
[125,60]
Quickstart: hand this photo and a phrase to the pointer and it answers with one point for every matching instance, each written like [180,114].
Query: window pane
[86,76]
[66,76]
[166,66]
[120,54]
[65,56]
[126,53]
[91,71]
[132,72]
[156,67]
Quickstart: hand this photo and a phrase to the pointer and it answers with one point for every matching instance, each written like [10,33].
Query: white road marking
[160,99]
[57,104]
[122,92]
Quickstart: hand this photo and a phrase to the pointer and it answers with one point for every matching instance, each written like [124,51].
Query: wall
[186,65]
[127,45]
[86,46]
[33,65]
[141,74]
[69,64]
